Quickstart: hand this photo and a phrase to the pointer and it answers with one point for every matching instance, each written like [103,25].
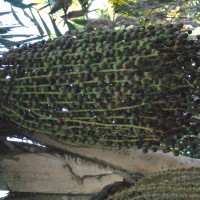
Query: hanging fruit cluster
[113,88]
[175,184]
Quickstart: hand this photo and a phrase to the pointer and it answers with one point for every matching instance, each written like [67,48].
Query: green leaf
[80,2]
[35,22]
[14,2]
[45,25]
[16,17]
[166,1]
[30,5]
[16,35]
[31,39]
[83,3]
[70,25]
[19,4]
[57,31]
[4,13]
[55,8]
[7,43]
[34,38]
[75,14]
[5,29]
[87,3]
[9,26]
[45,6]
[81,22]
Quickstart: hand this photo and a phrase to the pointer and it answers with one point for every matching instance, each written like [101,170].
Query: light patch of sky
[97,5]
[9,18]
[32,29]
[24,140]
[196,31]
[3,193]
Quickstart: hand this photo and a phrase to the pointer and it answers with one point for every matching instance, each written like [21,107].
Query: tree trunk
[56,173]
[131,160]
[34,196]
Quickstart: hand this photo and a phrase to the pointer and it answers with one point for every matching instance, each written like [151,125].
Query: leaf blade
[7,43]
[43,7]
[16,35]
[16,17]
[4,13]
[81,22]
[18,4]
[34,21]
[57,31]
[31,39]
[45,25]
[70,26]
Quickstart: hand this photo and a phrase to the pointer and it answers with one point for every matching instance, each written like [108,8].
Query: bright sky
[6,19]
[3,193]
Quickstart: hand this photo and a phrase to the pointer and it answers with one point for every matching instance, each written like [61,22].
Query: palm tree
[92,98]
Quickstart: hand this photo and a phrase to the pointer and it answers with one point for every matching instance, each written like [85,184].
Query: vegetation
[76,15]
[133,82]
[115,88]
[174,184]
[40,13]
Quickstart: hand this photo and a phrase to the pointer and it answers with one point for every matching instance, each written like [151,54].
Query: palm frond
[117,2]
[4,13]
[20,4]
[16,17]
[6,28]
[34,21]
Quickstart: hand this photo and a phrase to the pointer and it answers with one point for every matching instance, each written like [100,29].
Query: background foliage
[52,20]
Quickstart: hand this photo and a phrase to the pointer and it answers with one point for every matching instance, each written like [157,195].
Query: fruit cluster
[114,88]
[175,184]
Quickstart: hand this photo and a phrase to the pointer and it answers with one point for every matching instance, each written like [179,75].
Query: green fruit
[90,96]
[88,62]
[104,64]
[82,84]
[88,89]
[123,89]
[95,89]
[137,63]
[98,95]
[58,81]
[110,105]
